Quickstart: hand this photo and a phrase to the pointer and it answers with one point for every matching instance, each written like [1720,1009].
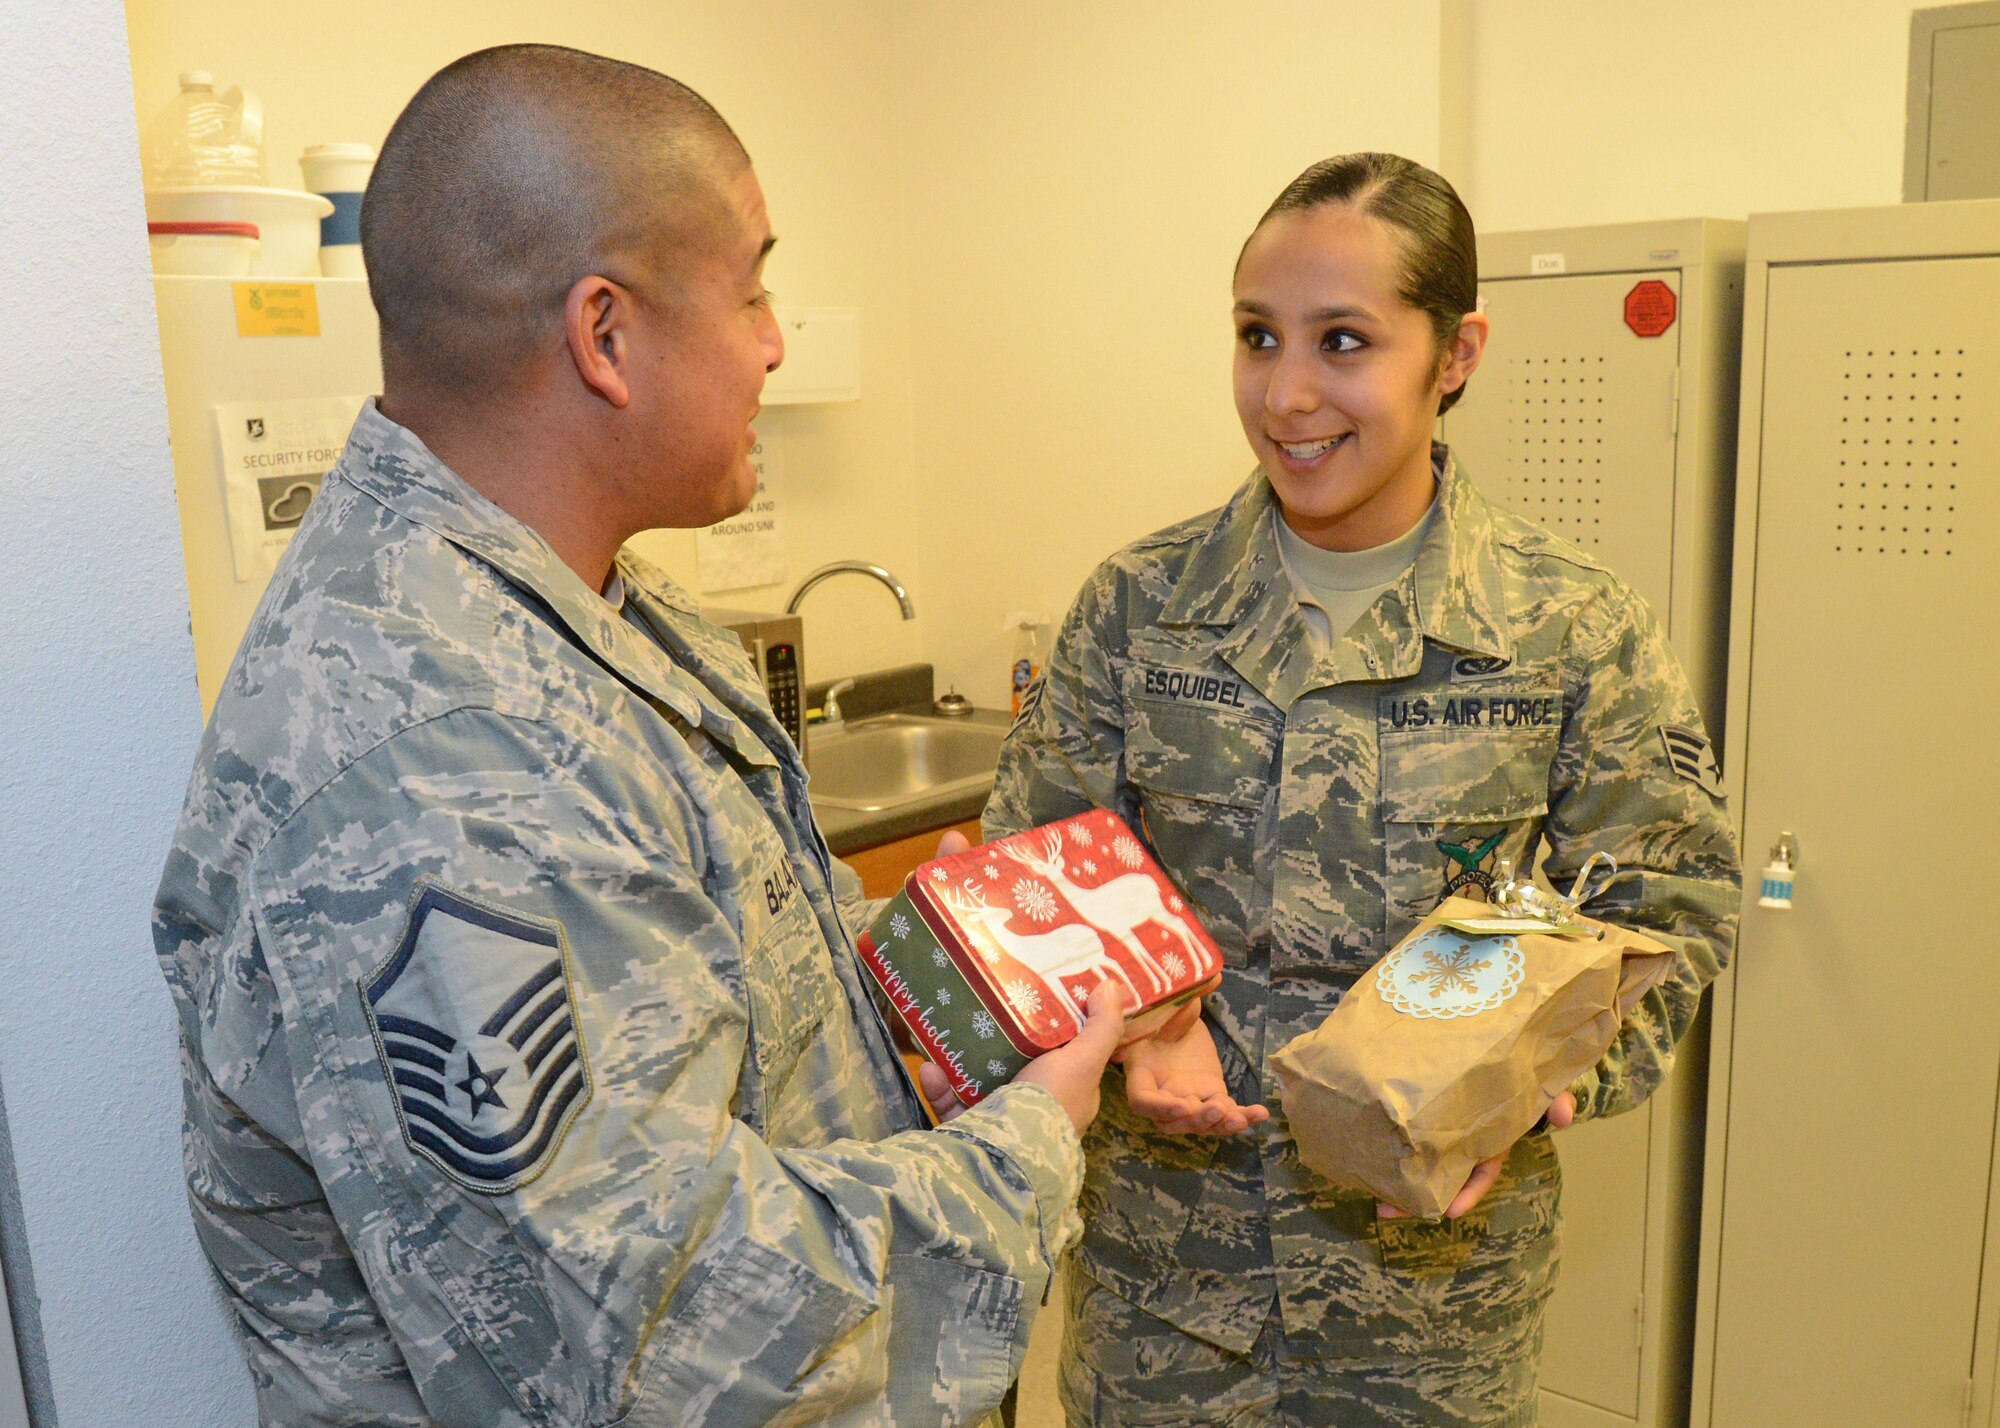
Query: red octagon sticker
[1650,308]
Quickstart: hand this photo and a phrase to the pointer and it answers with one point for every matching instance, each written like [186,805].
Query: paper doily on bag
[1447,974]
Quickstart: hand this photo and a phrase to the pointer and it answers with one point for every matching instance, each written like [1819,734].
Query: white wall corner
[101,717]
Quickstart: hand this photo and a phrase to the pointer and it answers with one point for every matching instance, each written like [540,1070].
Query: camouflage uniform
[528,1074]
[1506,694]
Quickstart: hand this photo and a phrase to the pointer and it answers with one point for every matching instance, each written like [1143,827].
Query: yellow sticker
[277,310]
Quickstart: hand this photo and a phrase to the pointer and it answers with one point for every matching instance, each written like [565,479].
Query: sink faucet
[830,704]
[830,711]
[858,567]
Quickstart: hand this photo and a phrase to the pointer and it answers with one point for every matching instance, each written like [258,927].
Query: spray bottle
[1028,655]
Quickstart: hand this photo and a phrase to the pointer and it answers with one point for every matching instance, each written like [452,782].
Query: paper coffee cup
[339,174]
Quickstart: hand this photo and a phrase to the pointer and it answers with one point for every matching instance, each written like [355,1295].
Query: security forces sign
[476,1031]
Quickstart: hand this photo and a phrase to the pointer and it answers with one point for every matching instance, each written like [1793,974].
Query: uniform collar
[1452,593]
[391,463]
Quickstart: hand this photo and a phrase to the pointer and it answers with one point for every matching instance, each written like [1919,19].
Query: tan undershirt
[1336,587]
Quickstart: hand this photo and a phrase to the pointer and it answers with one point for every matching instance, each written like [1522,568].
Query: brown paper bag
[1449,1049]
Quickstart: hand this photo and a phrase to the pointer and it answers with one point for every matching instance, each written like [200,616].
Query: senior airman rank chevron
[1689,754]
[478,1039]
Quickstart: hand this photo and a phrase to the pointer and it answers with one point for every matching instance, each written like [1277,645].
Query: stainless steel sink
[883,763]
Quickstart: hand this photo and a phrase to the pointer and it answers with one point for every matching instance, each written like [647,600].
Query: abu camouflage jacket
[1507,695]
[529,1075]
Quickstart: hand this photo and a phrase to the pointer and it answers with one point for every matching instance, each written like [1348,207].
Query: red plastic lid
[226,230]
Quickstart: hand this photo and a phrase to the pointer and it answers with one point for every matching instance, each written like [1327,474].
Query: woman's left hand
[1178,1085]
[1562,1111]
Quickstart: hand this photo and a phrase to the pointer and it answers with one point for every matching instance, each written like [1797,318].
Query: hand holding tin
[1074,1073]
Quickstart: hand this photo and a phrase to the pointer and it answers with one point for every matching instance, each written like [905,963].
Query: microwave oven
[774,644]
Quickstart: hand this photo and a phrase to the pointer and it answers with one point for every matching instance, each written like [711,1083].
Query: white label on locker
[1542,263]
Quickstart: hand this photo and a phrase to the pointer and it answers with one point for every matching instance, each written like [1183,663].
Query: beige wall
[804,84]
[1036,205]
[1080,178]
[1581,111]
[114,1313]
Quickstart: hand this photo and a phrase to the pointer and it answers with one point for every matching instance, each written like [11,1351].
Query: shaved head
[513,173]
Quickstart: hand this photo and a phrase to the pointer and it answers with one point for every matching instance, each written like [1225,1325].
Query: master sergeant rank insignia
[477,1035]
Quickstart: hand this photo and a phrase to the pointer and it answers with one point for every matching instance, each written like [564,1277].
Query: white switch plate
[822,356]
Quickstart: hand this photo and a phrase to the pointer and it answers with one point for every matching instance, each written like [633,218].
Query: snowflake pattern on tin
[939,875]
[1081,836]
[1035,900]
[1173,966]
[1441,973]
[1126,851]
[944,996]
[939,957]
[992,871]
[1089,866]
[996,1068]
[984,1025]
[899,925]
[1175,904]
[1025,997]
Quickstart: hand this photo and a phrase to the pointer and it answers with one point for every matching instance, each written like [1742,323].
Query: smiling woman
[1352,691]
[1356,327]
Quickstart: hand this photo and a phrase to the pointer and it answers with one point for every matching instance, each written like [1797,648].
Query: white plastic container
[287,221]
[339,174]
[218,250]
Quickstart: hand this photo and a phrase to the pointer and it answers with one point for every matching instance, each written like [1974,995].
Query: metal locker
[1846,1276]
[1605,410]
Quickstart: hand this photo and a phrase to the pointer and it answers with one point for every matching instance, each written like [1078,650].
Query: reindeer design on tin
[1120,907]
[1068,950]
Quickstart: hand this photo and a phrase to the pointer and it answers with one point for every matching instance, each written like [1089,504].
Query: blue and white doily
[1446,974]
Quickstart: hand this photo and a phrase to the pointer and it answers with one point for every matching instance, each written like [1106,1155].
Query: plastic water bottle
[203,138]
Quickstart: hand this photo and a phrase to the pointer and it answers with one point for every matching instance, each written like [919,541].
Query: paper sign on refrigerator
[273,456]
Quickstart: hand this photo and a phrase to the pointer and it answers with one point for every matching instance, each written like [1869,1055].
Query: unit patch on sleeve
[474,1024]
[1690,756]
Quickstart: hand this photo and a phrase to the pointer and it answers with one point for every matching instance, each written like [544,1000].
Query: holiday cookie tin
[990,955]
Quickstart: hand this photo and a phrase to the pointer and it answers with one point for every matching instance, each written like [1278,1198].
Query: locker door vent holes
[1555,443]
[1901,416]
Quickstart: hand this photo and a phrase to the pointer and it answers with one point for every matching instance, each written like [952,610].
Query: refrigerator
[263,380]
